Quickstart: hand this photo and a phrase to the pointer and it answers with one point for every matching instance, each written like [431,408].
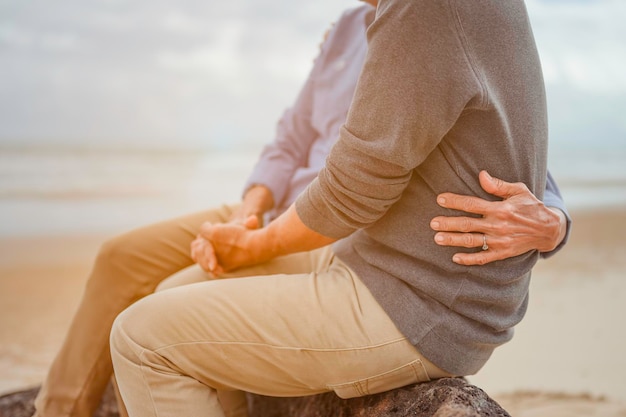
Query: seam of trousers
[313,349]
[143,377]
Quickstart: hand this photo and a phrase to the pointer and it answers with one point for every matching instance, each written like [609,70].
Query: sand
[566,359]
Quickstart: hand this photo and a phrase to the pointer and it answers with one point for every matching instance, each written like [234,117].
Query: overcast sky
[206,74]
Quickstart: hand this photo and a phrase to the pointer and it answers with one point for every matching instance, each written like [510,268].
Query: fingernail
[456,259]
[438,238]
[441,200]
[434,224]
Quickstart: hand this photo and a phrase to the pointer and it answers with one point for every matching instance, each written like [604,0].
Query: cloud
[220,57]
[198,73]
[581,43]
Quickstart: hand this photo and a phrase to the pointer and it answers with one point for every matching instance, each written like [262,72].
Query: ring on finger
[485,246]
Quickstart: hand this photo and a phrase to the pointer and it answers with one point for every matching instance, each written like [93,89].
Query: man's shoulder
[355,13]
[350,24]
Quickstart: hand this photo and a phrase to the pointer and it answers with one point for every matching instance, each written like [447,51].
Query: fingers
[205,228]
[495,251]
[251,222]
[462,240]
[476,205]
[479,258]
[509,224]
[196,248]
[464,203]
[203,253]
[498,187]
[458,224]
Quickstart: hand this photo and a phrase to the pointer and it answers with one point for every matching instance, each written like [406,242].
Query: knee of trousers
[121,340]
[120,263]
[132,339]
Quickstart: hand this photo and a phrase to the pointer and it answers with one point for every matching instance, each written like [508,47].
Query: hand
[235,246]
[223,247]
[517,224]
[203,252]
[257,200]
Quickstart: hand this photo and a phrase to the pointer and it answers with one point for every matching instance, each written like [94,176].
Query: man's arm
[257,200]
[517,224]
[553,199]
[290,149]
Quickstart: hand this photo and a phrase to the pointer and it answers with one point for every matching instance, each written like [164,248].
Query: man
[130,267]
[448,90]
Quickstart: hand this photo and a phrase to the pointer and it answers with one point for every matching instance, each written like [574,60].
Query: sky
[193,74]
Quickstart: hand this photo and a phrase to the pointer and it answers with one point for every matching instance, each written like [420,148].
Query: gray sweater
[449,87]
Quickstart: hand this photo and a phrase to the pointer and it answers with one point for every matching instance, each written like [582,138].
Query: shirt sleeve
[406,100]
[280,159]
[289,150]
[552,198]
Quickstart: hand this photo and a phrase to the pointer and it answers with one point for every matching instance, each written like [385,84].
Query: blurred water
[76,191]
[591,178]
[44,192]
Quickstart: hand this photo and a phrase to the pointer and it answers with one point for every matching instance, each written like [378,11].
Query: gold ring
[485,246]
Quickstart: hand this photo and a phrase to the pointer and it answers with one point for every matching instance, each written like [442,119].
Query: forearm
[224,247]
[288,234]
[257,201]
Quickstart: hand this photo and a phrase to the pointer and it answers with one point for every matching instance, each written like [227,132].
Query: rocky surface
[447,397]
[21,404]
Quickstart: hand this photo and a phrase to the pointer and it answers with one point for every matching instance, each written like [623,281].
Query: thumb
[251,222]
[205,229]
[497,186]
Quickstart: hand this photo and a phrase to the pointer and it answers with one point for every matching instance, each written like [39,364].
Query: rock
[447,397]
[21,404]
[18,404]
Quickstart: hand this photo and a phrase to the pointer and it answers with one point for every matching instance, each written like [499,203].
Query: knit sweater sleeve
[416,81]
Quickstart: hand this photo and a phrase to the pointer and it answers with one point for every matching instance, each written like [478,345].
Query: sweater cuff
[315,214]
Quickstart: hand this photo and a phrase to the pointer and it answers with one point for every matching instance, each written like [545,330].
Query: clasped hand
[220,248]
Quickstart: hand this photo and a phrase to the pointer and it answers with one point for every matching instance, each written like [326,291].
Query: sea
[47,191]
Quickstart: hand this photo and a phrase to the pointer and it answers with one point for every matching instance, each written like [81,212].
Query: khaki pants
[127,268]
[298,325]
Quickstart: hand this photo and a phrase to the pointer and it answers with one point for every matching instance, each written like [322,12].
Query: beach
[566,357]
[116,117]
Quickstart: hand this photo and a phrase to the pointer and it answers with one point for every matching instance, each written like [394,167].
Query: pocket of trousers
[410,373]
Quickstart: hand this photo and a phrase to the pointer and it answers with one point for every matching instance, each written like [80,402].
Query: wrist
[257,200]
[266,244]
[561,228]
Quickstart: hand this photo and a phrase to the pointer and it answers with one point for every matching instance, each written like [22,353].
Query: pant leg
[278,335]
[126,269]
[300,263]
[234,402]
